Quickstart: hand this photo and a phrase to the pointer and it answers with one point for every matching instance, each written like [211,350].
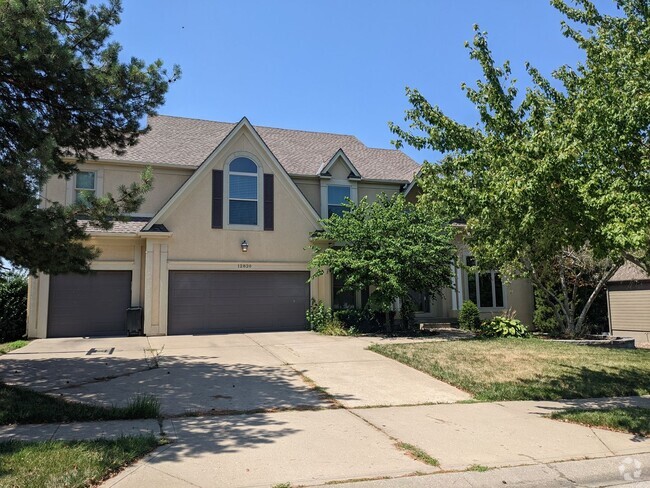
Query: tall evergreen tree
[63,93]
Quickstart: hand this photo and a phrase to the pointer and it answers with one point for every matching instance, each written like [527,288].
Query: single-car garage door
[93,304]
[237,301]
[629,309]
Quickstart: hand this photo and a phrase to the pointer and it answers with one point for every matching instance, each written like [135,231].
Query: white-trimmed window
[336,197]
[85,184]
[484,288]
[243,194]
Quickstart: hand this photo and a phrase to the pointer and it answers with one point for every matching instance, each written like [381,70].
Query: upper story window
[85,185]
[485,288]
[336,198]
[243,192]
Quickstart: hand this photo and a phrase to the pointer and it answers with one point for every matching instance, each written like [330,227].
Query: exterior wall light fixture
[244,246]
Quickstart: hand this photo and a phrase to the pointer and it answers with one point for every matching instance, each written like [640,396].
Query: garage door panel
[93,304]
[224,301]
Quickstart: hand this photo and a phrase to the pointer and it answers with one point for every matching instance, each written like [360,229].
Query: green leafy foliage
[318,315]
[324,320]
[469,317]
[63,93]
[389,245]
[553,183]
[13,307]
[543,317]
[503,327]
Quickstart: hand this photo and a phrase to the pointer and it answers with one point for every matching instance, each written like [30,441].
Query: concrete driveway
[223,373]
[296,407]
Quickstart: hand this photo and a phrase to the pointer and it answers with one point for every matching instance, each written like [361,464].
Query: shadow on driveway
[183,383]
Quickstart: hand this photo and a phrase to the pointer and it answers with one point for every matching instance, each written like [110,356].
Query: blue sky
[334,65]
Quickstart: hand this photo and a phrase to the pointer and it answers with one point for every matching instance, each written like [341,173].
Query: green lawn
[68,463]
[11,346]
[23,406]
[634,420]
[528,369]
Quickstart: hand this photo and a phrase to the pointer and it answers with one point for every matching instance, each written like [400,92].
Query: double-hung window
[243,192]
[84,186]
[485,288]
[336,198]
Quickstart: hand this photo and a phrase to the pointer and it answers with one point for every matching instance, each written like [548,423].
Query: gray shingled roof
[135,224]
[629,272]
[187,142]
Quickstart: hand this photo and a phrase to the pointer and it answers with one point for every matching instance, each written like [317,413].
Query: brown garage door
[89,305]
[203,302]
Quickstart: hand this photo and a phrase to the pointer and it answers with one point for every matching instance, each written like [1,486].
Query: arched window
[243,193]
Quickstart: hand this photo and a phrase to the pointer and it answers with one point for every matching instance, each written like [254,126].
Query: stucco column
[38,293]
[155,287]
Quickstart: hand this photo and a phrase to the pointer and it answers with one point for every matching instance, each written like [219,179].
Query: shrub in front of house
[13,307]
[323,320]
[469,317]
[503,327]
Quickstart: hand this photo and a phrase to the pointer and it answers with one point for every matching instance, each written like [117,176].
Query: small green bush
[324,321]
[469,317]
[336,328]
[13,307]
[318,315]
[503,327]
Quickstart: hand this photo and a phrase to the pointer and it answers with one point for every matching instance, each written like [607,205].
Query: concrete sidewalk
[317,447]
[504,434]
[612,471]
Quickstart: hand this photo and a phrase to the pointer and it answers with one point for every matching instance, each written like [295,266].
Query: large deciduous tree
[554,183]
[63,93]
[389,245]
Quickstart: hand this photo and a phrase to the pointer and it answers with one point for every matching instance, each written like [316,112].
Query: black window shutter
[268,202]
[217,199]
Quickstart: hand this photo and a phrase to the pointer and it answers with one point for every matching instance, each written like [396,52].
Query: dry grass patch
[528,369]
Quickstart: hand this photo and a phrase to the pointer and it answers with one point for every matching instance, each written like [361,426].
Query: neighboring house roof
[188,142]
[629,272]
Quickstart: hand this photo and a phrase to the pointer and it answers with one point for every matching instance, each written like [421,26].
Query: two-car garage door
[237,301]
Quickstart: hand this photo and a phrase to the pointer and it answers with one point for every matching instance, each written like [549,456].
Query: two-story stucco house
[221,242]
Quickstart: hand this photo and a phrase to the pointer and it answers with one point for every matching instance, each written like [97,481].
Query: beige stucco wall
[372,190]
[194,239]
[166,183]
[310,187]
[339,170]
[111,176]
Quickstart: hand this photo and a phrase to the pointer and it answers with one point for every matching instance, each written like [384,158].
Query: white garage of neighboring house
[628,302]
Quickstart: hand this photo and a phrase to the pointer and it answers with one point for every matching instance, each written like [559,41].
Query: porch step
[450,324]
